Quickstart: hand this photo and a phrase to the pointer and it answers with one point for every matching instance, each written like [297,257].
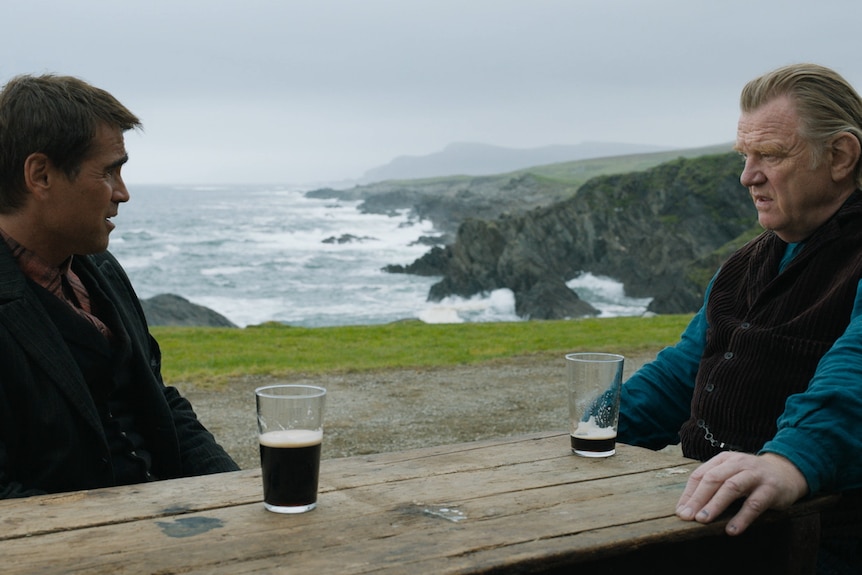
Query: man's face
[792,196]
[77,217]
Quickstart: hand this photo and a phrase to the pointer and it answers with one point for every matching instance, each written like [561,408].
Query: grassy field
[215,355]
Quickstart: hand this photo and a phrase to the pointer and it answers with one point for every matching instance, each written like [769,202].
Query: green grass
[214,355]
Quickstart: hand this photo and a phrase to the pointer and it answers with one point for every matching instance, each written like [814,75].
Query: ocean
[267,253]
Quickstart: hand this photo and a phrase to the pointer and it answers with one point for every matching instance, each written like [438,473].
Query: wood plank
[364,470]
[48,513]
[64,511]
[361,528]
[456,549]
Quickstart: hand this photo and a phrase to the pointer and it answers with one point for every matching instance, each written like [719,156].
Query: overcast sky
[305,91]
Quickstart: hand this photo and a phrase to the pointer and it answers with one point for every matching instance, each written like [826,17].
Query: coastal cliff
[660,231]
[449,201]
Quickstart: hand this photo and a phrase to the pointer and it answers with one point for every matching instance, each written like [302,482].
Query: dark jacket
[52,438]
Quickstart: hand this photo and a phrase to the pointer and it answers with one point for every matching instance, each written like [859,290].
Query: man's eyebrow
[118,162]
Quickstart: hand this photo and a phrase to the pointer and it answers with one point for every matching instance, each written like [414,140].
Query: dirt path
[402,408]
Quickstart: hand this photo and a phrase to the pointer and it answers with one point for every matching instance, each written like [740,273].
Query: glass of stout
[290,425]
[594,384]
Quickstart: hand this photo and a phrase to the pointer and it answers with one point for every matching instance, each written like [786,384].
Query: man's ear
[845,153]
[38,173]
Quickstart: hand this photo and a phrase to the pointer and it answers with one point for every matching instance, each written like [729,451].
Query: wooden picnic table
[514,505]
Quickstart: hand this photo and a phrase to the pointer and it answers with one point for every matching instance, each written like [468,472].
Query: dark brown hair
[54,115]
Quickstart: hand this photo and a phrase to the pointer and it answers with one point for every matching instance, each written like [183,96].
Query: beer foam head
[292,437]
[590,430]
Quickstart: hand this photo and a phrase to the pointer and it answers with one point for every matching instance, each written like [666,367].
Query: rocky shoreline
[661,232]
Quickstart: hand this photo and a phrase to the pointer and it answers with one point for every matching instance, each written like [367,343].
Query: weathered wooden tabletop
[523,504]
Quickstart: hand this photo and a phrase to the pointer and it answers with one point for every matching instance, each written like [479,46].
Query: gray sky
[302,91]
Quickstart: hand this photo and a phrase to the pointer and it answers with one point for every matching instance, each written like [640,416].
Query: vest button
[745,325]
[710,387]
[728,355]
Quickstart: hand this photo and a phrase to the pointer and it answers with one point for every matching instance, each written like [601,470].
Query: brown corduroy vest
[767,332]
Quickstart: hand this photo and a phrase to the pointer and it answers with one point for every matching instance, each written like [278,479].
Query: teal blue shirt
[820,430]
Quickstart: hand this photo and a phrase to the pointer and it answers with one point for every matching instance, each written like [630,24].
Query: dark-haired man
[82,401]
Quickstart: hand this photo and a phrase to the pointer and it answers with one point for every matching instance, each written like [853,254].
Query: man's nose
[121,193]
[751,174]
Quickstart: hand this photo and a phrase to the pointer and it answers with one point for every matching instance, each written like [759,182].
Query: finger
[751,509]
[722,498]
[701,486]
[685,509]
[682,507]
[690,487]
[713,493]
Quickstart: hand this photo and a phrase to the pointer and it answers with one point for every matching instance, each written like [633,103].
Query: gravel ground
[390,410]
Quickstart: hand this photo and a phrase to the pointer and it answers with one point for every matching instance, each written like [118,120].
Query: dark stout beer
[592,441]
[290,461]
[594,447]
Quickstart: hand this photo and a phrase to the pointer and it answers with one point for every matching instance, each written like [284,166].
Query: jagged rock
[433,263]
[170,309]
[428,241]
[390,203]
[549,299]
[346,239]
[645,229]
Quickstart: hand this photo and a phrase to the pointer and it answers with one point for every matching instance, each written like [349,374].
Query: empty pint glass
[290,425]
[594,383]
